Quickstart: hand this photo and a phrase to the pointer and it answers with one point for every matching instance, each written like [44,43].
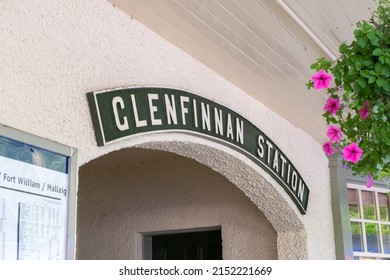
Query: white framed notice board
[37,197]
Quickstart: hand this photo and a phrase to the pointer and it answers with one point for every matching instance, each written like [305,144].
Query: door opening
[197,245]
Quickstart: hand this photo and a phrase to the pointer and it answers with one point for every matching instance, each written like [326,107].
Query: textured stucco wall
[53,52]
[165,194]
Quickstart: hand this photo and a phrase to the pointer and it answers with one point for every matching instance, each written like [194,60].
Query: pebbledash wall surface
[53,53]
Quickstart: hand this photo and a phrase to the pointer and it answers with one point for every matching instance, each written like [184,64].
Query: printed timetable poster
[34,190]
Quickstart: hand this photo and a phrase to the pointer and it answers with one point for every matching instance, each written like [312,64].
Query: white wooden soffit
[264,47]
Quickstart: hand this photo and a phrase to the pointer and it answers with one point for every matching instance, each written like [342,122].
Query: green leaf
[370,35]
[378,68]
[314,65]
[386,86]
[310,84]
[377,52]
[367,62]
[347,87]
[343,48]
[362,42]
[326,64]
[362,82]
[380,82]
[374,41]
[372,79]
[352,71]
[365,73]
[386,70]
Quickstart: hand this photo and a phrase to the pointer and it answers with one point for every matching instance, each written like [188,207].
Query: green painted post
[340,208]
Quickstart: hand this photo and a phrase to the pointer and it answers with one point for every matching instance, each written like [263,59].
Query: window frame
[363,221]
[340,177]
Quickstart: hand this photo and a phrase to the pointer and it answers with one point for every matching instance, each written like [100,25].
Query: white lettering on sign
[184,110]
[260,149]
[170,108]
[206,122]
[240,131]
[270,146]
[195,113]
[124,124]
[218,121]
[229,127]
[153,109]
[138,122]
[294,181]
[284,161]
[275,165]
[212,119]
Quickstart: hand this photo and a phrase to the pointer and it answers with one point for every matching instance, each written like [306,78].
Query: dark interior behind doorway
[202,245]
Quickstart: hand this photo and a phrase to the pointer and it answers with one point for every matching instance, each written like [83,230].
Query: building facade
[54,53]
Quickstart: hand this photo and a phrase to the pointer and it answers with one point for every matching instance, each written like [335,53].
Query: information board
[34,201]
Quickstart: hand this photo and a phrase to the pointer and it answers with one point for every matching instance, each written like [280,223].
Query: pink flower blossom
[321,80]
[352,153]
[365,111]
[334,133]
[369,181]
[332,105]
[328,148]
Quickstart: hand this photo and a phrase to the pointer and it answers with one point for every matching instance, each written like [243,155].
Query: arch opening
[230,167]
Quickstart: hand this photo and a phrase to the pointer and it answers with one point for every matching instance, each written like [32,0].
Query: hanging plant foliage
[357,109]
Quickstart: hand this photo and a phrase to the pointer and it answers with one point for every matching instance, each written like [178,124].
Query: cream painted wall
[53,52]
[117,202]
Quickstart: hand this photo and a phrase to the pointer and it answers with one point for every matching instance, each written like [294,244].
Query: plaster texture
[173,193]
[53,52]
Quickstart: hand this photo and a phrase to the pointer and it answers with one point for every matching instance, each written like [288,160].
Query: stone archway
[254,182]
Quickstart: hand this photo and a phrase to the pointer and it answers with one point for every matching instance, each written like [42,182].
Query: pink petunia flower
[332,105]
[365,111]
[334,133]
[328,148]
[369,181]
[352,153]
[322,80]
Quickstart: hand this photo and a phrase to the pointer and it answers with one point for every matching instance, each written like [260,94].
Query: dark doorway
[201,245]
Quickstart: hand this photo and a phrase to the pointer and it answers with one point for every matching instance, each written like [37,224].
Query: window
[369,211]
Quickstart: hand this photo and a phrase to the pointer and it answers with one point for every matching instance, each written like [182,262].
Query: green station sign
[121,113]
